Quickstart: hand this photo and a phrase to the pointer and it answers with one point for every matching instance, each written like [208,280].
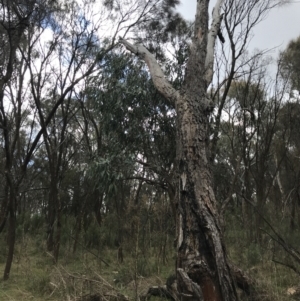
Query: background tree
[55,68]
[289,62]
[15,19]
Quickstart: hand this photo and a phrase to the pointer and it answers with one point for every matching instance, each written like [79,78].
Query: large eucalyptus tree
[202,271]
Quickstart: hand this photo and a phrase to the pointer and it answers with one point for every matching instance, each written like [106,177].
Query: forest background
[88,175]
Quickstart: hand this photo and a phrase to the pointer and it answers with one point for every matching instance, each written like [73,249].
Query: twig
[287,265]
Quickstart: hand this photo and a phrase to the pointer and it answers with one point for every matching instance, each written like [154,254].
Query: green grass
[35,277]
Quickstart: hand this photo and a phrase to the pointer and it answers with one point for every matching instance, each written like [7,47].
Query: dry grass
[82,276]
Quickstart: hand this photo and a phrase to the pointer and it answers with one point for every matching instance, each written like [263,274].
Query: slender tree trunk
[294,210]
[260,198]
[58,229]
[77,230]
[247,193]
[98,197]
[54,215]
[11,236]
[4,209]
[53,211]
[293,214]
[51,215]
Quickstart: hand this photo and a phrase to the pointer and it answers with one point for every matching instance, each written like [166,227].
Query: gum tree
[202,270]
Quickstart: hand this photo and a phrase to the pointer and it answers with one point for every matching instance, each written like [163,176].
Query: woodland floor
[82,275]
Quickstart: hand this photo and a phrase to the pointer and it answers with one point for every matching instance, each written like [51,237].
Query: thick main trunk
[202,269]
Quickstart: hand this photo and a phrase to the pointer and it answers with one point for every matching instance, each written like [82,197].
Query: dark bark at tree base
[248,287]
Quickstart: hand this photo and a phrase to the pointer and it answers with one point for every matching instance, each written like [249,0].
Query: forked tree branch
[158,77]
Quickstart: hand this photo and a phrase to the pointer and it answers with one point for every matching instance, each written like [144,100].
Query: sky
[277,30]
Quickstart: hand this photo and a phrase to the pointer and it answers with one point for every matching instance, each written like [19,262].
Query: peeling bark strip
[203,272]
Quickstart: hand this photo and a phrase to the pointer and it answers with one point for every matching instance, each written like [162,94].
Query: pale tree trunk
[202,271]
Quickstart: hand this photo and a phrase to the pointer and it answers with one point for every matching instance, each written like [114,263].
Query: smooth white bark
[158,77]
[211,40]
